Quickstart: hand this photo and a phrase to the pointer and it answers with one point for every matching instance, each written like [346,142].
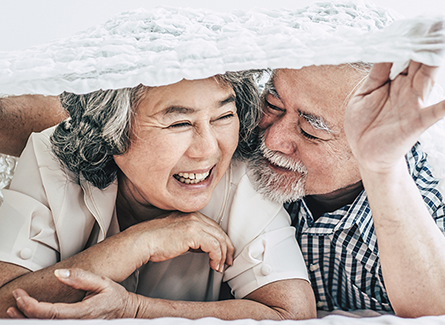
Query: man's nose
[204,143]
[280,136]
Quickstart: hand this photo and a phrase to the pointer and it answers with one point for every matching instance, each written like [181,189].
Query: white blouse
[47,217]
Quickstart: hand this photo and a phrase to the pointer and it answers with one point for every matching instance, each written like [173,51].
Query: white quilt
[165,45]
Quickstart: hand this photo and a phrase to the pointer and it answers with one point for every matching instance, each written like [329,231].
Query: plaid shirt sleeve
[428,185]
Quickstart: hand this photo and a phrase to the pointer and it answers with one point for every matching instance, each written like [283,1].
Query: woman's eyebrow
[188,110]
[228,100]
[178,110]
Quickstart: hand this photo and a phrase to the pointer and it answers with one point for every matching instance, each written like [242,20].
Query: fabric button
[25,253]
[320,304]
[313,267]
[266,269]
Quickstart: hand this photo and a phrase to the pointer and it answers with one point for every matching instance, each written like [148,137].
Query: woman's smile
[191,177]
[183,139]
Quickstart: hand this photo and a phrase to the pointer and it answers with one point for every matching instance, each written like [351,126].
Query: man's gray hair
[99,126]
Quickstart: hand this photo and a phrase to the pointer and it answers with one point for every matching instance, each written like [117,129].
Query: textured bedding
[165,45]
[328,320]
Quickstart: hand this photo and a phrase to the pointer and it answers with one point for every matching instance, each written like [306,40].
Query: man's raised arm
[22,115]
[383,121]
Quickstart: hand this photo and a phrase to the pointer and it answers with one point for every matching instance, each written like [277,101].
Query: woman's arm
[286,299]
[22,115]
[120,255]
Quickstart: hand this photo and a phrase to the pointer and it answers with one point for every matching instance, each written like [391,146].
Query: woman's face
[183,138]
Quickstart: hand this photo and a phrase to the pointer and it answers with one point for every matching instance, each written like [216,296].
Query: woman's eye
[226,116]
[180,125]
[307,135]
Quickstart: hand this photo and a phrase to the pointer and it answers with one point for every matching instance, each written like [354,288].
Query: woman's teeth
[191,178]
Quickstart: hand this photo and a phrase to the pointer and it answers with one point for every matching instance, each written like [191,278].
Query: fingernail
[10,312]
[217,268]
[62,273]
[15,295]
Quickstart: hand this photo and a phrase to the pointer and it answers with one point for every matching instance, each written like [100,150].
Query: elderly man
[369,219]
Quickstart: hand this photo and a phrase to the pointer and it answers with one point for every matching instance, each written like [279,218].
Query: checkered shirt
[340,248]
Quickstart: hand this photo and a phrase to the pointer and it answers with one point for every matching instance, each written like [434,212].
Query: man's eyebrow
[188,110]
[317,122]
[270,88]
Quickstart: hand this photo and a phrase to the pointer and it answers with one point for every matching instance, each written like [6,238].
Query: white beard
[276,187]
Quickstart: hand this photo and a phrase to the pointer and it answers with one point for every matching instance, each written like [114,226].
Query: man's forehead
[317,93]
[324,85]
[334,74]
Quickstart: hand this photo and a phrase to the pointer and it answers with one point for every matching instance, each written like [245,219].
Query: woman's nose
[280,135]
[204,144]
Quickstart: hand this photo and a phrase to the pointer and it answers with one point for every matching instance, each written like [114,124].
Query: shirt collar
[358,213]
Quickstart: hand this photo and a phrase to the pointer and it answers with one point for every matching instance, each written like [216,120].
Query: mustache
[272,185]
[281,160]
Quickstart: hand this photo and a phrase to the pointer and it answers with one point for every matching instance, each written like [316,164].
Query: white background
[25,23]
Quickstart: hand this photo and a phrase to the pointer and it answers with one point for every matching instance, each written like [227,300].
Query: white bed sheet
[328,320]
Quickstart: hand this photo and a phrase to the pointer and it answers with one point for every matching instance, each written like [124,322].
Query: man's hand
[384,117]
[104,299]
[383,121]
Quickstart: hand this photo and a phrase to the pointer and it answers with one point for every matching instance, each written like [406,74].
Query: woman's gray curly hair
[100,123]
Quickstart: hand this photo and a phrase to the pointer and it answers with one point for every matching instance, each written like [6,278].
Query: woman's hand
[118,256]
[104,299]
[177,233]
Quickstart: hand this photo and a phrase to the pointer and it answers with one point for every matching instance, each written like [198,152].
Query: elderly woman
[128,190]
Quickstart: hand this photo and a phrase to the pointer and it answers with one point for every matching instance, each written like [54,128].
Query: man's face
[304,149]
